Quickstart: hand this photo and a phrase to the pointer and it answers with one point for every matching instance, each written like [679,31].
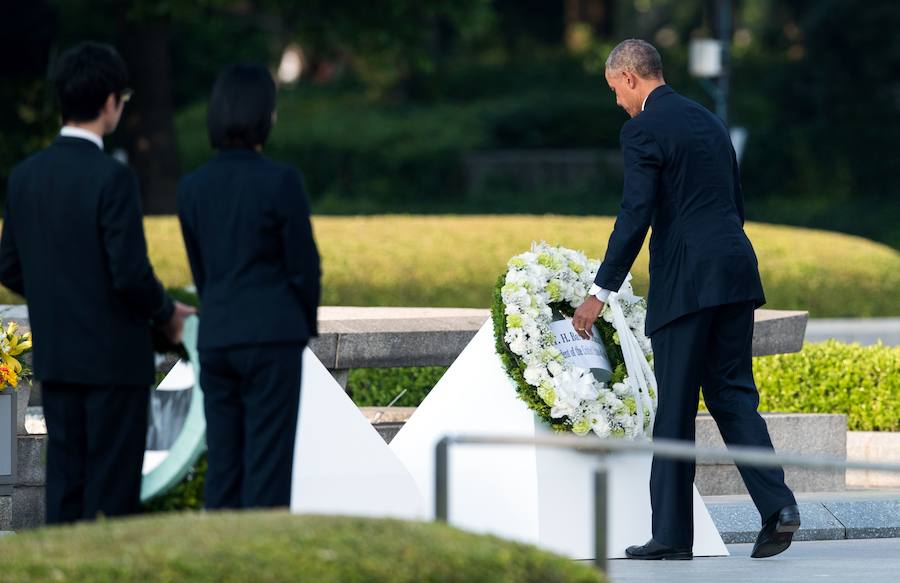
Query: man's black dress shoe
[777,533]
[654,551]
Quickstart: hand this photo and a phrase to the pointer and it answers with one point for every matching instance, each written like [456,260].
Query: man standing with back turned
[681,178]
[73,245]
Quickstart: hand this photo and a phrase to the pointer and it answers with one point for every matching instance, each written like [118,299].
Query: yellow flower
[8,376]
[14,345]
[11,363]
[19,344]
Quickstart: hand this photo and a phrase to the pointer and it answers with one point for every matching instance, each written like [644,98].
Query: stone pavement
[849,514]
[863,330]
[872,561]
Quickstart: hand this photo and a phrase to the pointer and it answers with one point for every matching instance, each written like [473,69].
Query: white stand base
[341,464]
[535,495]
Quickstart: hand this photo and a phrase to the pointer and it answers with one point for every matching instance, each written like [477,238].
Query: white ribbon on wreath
[640,374]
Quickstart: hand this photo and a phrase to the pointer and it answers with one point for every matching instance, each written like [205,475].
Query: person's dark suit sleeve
[643,162]
[186,217]
[10,263]
[126,250]
[738,192]
[300,252]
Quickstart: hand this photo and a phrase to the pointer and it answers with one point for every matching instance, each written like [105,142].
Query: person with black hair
[73,245]
[246,226]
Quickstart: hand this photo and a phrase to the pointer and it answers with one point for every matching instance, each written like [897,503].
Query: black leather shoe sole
[779,541]
[673,556]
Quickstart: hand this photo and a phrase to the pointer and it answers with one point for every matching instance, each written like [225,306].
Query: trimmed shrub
[276,546]
[863,382]
[377,387]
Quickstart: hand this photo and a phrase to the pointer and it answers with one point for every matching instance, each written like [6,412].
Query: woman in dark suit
[246,226]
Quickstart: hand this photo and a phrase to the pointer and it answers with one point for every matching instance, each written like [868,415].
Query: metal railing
[743,455]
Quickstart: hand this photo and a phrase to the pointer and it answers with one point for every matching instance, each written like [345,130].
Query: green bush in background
[188,495]
[378,387]
[863,382]
[274,547]
[359,155]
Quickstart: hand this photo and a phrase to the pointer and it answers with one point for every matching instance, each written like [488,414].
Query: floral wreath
[567,397]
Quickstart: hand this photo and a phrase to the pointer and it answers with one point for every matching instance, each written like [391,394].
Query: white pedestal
[341,464]
[536,495]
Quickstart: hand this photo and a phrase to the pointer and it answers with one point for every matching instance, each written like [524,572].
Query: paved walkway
[871,561]
[850,514]
[863,330]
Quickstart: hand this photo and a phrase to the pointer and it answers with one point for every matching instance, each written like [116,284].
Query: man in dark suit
[681,178]
[73,245]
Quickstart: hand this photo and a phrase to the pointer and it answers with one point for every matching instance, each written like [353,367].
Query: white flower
[600,425]
[548,274]
[534,375]
[555,368]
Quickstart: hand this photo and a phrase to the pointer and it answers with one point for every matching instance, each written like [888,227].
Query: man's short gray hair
[637,56]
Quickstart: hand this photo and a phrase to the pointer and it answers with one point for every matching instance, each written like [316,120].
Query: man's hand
[176,324]
[585,316]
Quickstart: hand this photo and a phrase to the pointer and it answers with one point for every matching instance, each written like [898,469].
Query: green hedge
[378,387]
[863,382]
[276,546]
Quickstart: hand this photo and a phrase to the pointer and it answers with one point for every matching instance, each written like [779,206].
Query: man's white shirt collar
[643,105]
[73,132]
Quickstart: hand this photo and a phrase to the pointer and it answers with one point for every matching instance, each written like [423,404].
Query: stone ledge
[868,518]
[835,516]
[360,337]
[883,446]
[6,503]
[29,507]
[801,433]
[388,337]
[32,460]
[810,434]
[740,522]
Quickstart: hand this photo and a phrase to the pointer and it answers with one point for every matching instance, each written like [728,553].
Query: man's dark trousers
[96,437]
[711,348]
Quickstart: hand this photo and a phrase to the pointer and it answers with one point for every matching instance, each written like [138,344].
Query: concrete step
[861,514]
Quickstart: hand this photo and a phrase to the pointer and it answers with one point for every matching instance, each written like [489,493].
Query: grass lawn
[274,547]
[400,260]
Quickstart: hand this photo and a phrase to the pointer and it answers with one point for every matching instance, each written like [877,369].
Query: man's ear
[111,104]
[630,79]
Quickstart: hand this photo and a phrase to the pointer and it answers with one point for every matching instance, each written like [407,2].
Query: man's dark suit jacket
[246,226]
[73,245]
[681,178]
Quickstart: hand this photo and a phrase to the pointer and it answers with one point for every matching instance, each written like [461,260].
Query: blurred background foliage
[383,108]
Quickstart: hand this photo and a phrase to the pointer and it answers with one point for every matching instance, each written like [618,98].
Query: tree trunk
[149,117]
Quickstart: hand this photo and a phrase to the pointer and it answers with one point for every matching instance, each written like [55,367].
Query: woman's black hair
[241,107]
[85,76]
